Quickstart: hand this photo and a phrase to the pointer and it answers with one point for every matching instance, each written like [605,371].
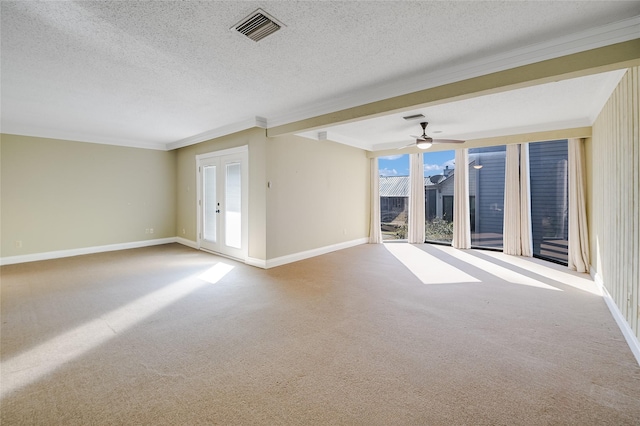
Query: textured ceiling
[153,73]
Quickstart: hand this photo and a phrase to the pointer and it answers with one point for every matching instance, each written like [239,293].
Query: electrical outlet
[18,243]
[183,231]
[151,230]
[146,231]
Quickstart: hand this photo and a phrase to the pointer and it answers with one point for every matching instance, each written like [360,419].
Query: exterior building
[438,196]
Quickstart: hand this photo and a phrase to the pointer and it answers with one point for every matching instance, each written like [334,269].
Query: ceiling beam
[594,61]
[550,135]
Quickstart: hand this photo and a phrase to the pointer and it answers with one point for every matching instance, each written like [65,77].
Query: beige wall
[59,195]
[319,194]
[186,186]
[614,196]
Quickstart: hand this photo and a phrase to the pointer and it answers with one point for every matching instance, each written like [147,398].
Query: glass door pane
[439,170]
[548,164]
[210,203]
[394,196]
[486,195]
[233,205]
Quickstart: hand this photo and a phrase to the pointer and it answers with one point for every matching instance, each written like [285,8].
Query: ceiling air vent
[258,25]
[413,117]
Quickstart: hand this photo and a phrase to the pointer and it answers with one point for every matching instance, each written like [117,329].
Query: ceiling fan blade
[447,141]
[407,146]
[417,137]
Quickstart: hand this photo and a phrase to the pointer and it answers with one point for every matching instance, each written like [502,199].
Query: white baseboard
[630,337]
[265,264]
[187,243]
[290,258]
[10,260]
[259,263]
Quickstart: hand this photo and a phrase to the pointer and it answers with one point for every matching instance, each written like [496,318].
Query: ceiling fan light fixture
[422,144]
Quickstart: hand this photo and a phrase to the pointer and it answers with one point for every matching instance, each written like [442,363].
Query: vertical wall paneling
[635,205]
[615,169]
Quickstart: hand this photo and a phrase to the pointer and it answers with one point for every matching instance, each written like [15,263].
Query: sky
[398,165]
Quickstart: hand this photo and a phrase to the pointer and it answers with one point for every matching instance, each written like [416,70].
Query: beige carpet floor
[373,335]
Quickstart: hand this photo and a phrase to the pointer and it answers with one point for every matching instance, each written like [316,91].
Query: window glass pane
[233,206]
[438,197]
[548,163]
[486,195]
[394,196]
[210,203]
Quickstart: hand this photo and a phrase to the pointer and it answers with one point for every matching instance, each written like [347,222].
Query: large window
[486,193]
[439,170]
[549,199]
[486,174]
[394,196]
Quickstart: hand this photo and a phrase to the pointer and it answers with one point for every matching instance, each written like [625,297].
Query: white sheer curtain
[511,229]
[578,233]
[375,234]
[416,199]
[516,233]
[461,226]
[526,239]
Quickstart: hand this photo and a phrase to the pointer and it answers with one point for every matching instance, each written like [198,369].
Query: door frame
[200,158]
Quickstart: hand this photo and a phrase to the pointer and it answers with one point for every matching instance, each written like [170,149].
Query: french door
[222,202]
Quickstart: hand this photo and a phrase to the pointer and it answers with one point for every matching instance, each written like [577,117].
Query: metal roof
[398,186]
[394,186]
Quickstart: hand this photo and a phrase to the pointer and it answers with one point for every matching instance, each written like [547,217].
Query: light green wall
[186,186]
[59,195]
[319,194]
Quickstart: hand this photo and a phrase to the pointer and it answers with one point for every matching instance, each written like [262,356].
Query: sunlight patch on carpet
[31,366]
[560,273]
[427,268]
[509,275]
[215,273]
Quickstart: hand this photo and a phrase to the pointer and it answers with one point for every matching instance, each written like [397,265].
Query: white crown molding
[496,133]
[160,146]
[593,38]
[335,137]
[219,132]
[80,137]
[520,130]
[345,140]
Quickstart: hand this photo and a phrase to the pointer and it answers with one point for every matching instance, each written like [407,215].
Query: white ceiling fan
[425,142]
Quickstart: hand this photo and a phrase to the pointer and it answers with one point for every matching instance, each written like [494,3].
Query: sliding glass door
[486,190]
[549,199]
[394,196]
[439,168]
